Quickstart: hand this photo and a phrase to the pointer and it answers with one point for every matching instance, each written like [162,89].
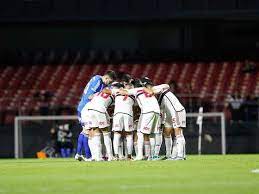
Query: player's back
[124,104]
[100,102]
[169,100]
[147,102]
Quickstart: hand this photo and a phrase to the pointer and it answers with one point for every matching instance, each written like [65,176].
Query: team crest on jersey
[146,128]
[101,123]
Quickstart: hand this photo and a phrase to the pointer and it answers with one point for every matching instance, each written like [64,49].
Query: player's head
[117,85]
[129,85]
[136,83]
[127,81]
[146,82]
[126,78]
[109,77]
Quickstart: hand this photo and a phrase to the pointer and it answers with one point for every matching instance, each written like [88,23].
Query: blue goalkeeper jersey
[94,85]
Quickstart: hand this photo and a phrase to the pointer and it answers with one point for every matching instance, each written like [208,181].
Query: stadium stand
[22,88]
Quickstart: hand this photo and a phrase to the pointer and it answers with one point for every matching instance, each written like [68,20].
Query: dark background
[184,29]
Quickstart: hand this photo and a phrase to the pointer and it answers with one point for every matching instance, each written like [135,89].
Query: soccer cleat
[104,158]
[165,158]
[176,158]
[86,159]
[155,158]
[139,158]
[78,157]
[179,158]
[129,158]
[122,158]
[116,157]
[111,158]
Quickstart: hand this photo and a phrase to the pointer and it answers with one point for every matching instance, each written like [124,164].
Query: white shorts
[175,119]
[122,122]
[149,123]
[95,119]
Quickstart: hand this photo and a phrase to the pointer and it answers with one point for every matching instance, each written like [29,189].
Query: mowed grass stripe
[199,174]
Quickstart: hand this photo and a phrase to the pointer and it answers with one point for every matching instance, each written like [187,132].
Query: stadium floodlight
[19,127]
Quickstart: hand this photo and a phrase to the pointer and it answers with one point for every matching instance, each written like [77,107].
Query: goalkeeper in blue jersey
[96,84]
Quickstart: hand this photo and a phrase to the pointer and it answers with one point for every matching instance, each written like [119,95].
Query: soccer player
[149,118]
[96,84]
[96,119]
[155,138]
[123,120]
[175,120]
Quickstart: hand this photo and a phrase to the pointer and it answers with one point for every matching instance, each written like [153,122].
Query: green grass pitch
[212,174]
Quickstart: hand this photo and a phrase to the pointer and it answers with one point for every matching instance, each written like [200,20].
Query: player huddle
[160,113]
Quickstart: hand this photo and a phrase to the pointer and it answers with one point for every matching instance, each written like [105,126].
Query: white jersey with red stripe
[168,100]
[100,102]
[146,102]
[124,104]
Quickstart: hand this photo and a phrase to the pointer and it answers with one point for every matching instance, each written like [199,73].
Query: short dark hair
[111,74]
[137,83]
[146,81]
[126,78]
[117,85]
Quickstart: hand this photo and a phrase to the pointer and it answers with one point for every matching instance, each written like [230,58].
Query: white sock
[168,146]
[147,149]
[180,144]
[152,146]
[97,147]
[116,142]
[90,143]
[136,147]
[140,144]
[129,144]
[108,143]
[158,138]
[174,149]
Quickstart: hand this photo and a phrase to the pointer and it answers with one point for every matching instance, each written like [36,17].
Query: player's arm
[107,91]
[148,91]
[160,88]
[132,91]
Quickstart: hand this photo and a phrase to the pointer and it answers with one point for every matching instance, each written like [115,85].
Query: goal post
[222,125]
[18,151]
[18,128]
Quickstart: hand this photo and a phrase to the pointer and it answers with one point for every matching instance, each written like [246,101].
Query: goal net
[35,133]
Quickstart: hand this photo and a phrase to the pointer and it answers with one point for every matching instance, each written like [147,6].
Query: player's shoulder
[96,77]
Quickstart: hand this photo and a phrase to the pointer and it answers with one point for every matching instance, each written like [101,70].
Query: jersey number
[104,95]
[125,98]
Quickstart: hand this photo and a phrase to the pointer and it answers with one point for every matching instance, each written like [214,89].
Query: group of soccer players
[160,113]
